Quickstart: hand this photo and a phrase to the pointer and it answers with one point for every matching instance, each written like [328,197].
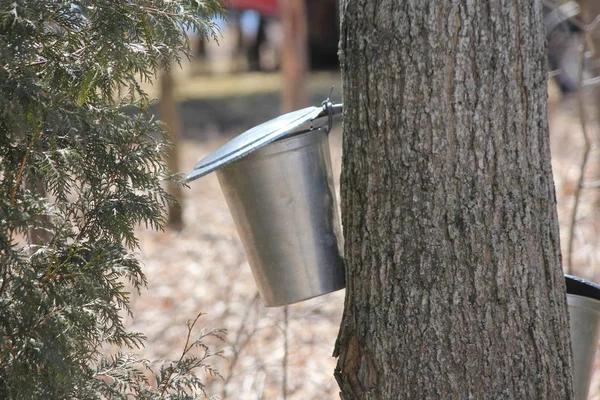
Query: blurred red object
[265,7]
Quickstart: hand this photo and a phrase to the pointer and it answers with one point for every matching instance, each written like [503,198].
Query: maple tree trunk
[454,282]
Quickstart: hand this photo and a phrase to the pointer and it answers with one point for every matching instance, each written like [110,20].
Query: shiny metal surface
[254,139]
[584,314]
[283,204]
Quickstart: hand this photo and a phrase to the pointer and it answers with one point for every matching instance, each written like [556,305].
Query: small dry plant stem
[586,152]
[239,344]
[186,348]
[284,363]
[13,197]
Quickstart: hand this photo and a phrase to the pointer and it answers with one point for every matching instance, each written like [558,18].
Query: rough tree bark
[454,280]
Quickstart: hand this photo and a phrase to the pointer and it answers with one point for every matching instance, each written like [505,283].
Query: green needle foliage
[77,175]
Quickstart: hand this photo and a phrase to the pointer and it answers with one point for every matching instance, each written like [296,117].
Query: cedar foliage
[77,175]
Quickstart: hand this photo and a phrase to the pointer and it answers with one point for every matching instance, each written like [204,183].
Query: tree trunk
[454,280]
[170,116]
[294,54]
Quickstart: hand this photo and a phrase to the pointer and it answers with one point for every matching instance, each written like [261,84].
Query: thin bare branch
[239,344]
[284,362]
[591,185]
[586,152]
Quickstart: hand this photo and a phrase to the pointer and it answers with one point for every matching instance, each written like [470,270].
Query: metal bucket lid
[582,287]
[258,137]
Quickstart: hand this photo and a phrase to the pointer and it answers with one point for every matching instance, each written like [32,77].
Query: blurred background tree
[77,175]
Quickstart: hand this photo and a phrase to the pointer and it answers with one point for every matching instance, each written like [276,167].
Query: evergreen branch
[102,171]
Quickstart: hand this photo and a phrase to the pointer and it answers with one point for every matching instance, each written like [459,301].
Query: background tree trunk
[454,280]
[294,54]
[170,116]
[590,9]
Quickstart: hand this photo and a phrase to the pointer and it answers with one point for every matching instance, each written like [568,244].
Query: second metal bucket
[583,298]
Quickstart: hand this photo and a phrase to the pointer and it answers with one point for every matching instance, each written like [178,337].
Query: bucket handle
[329,110]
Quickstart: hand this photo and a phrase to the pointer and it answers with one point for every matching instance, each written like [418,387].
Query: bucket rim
[253,139]
[582,287]
[296,141]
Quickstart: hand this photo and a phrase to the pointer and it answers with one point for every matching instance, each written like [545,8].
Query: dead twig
[284,362]
[186,349]
[586,152]
[239,344]
[6,271]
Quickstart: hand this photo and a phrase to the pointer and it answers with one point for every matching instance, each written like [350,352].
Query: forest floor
[203,268]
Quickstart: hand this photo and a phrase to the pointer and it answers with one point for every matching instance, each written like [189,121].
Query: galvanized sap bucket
[583,298]
[278,184]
